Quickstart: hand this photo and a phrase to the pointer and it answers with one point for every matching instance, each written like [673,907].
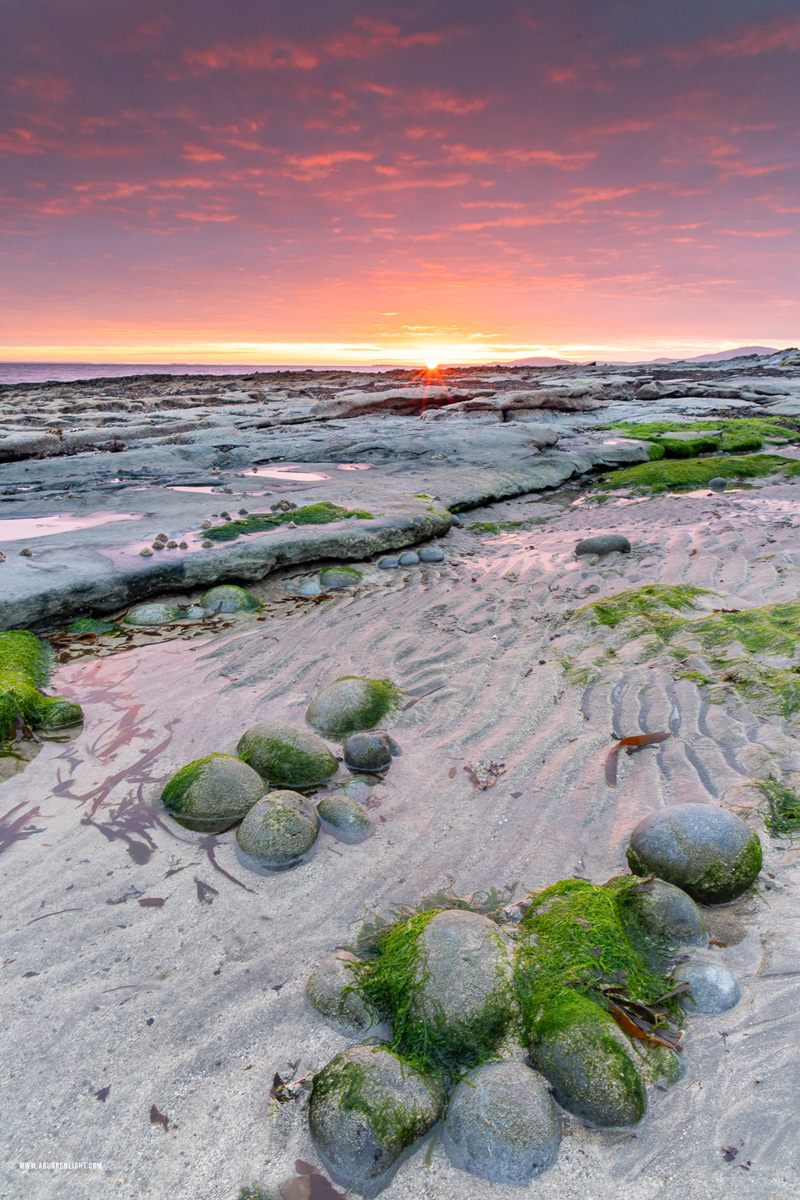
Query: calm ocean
[31,372]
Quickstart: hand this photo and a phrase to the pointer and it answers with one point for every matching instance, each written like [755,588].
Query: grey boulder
[327,991]
[287,755]
[345,816]
[228,598]
[718,483]
[502,1124]
[367,1109]
[368,751]
[605,543]
[430,554]
[409,559]
[707,851]
[713,989]
[211,793]
[278,830]
[667,915]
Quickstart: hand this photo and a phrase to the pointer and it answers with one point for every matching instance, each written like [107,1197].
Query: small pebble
[172,545]
[309,587]
[146,553]
[207,545]
[242,512]
[386,564]
[718,483]
[409,559]
[431,554]
[158,545]
[206,525]
[161,537]
[26,553]
[457,520]
[183,545]
[225,515]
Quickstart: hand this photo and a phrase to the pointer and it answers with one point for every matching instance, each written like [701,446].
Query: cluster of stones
[335,578]
[225,598]
[507,1062]
[279,763]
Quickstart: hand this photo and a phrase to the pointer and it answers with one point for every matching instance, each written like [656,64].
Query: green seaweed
[495,526]
[90,625]
[690,473]
[322,513]
[576,941]
[657,603]
[780,808]
[396,1124]
[254,1191]
[25,665]
[176,790]
[732,435]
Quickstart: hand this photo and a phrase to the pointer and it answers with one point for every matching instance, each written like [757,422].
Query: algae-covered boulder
[666,914]
[346,816]
[25,665]
[154,612]
[212,793]
[589,1061]
[351,703]
[340,577]
[278,830]
[330,991]
[708,852]
[367,1108]
[712,988]
[287,755]
[228,598]
[502,1124]
[86,625]
[368,752]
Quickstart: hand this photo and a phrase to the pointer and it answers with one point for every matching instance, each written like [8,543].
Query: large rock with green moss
[287,755]
[589,1061]
[340,577]
[707,851]
[330,990]
[228,598]
[502,1124]
[25,665]
[278,831]
[666,914]
[154,612]
[212,793]
[351,703]
[367,1110]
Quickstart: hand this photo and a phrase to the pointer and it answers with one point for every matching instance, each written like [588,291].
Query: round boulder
[388,563]
[464,982]
[666,914]
[409,559]
[368,752]
[212,793]
[430,554]
[287,755]
[589,1061]
[327,992]
[707,851]
[605,543]
[228,598]
[154,613]
[713,989]
[340,577]
[278,830]
[718,483]
[345,816]
[309,587]
[367,1108]
[351,703]
[502,1124]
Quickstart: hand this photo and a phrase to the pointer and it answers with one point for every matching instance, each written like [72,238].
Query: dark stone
[346,816]
[368,751]
[718,483]
[389,563]
[667,914]
[605,543]
[409,559]
[430,554]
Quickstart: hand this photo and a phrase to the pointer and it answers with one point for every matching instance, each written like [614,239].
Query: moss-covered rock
[502,1124]
[657,1064]
[330,991]
[228,598]
[346,816]
[287,755]
[340,577]
[352,703]
[707,851]
[278,830]
[86,625]
[589,1061]
[367,1108]
[212,793]
[25,665]
[155,612]
[666,914]
[323,513]
[444,980]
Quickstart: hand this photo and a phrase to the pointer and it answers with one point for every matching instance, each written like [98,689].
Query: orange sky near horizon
[397,182]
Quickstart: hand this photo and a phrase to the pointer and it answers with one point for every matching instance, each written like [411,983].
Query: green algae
[25,665]
[733,435]
[657,604]
[690,473]
[780,808]
[323,513]
[286,756]
[229,598]
[86,625]
[496,526]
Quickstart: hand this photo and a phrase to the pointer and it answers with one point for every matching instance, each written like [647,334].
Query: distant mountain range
[739,352]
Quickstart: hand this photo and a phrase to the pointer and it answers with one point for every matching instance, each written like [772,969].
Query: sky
[382,181]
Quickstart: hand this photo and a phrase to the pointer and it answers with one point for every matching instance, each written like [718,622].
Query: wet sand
[124,971]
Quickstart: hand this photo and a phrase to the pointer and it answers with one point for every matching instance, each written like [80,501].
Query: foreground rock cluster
[491,1017]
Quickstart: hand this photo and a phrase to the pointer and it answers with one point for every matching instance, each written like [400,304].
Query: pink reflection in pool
[288,473]
[22,528]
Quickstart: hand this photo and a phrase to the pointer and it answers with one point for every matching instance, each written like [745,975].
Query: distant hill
[538,362]
[721,355]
